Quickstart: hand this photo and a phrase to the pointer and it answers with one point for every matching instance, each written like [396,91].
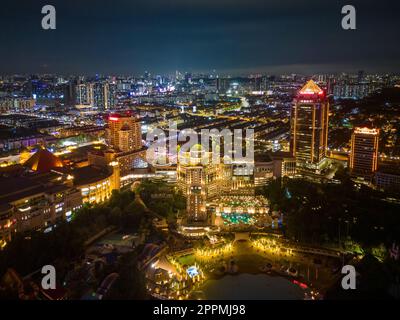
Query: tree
[133,215]
[131,282]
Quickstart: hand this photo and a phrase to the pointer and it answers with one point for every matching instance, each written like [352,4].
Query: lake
[252,287]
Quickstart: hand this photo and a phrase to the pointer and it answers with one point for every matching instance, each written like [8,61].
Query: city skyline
[199,150]
[81,161]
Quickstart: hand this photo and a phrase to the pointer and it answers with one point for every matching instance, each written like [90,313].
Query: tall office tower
[110,95]
[346,90]
[264,83]
[178,76]
[84,94]
[360,76]
[99,96]
[222,85]
[259,83]
[124,132]
[104,95]
[330,84]
[309,128]
[256,83]
[364,152]
[69,93]
[188,78]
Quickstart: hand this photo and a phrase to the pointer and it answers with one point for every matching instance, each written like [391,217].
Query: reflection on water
[252,287]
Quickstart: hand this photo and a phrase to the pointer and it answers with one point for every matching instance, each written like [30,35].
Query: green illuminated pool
[237,218]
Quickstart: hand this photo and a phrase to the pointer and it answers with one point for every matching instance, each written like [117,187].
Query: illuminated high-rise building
[84,94]
[110,95]
[124,132]
[222,85]
[200,182]
[104,95]
[126,151]
[364,152]
[259,83]
[309,128]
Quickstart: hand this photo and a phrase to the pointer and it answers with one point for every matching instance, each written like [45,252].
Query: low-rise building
[263,170]
[96,183]
[284,164]
[44,192]
[35,202]
[387,178]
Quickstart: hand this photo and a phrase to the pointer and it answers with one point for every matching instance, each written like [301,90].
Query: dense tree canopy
[162,198]
[30,251]
[317,213]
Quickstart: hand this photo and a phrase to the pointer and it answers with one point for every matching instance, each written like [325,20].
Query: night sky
[230,36]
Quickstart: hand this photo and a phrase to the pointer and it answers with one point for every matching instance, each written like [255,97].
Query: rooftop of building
[126,153]
[123,115]
[4,207]
[281,155]
[81,153]
[13,188]
[389,168]
[90,174]
[262,157]
[311,90]
[12,170]
[366,131]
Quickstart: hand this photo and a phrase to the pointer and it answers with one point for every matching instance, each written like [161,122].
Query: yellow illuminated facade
[364,152]
[100,190]
[7,225]
[96,192]
[124,133]
[198,181]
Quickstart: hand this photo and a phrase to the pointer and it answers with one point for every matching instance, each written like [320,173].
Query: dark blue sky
[231,36]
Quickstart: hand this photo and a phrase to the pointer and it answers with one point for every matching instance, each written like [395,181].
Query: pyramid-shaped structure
[43,161]
[311,88]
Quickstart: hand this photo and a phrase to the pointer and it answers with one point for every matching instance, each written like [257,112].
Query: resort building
[199,182]
[36,201]
[44,192]
[124,132]
[124,138]
[96,183]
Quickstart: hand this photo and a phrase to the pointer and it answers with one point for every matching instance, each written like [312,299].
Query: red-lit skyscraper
[124,132]
[309,128]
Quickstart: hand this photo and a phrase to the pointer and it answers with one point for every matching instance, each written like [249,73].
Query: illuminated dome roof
[311,88]
[43,161]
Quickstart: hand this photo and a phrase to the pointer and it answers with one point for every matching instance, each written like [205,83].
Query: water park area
[241,212]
